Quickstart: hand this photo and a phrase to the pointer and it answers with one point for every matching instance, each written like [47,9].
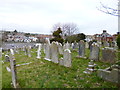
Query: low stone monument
[111,74]
[109,55]
[91,68]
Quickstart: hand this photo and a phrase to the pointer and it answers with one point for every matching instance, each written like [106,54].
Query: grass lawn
[45,74]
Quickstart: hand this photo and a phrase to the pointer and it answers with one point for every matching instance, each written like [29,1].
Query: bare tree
[67,28]
[110,10]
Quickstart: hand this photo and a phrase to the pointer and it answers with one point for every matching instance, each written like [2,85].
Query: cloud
[40,15]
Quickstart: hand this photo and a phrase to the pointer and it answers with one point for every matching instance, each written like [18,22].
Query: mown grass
[45,74]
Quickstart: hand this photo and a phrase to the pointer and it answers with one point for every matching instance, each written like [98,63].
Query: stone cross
[67,58]
[94,52]
[13,68]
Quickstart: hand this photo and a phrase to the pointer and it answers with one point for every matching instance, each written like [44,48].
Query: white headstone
[54,50]
[38,51]
[67,58]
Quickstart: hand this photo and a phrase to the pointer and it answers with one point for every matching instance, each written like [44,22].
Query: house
[104,36]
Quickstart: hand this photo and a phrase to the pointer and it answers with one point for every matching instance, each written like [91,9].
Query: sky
[39,16]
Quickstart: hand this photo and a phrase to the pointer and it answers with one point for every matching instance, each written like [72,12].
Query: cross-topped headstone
[13,68]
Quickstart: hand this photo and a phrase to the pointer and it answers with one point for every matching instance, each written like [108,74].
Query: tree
[76,37]
[57,36]
[110,10]
[68,29]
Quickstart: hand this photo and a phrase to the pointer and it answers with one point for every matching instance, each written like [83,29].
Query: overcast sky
[38,16]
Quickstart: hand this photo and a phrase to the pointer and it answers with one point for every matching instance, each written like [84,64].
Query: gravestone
[90,44]
[60,48]
[75,45]
[28,51]
[25,49]
[67,58]
[108,55]
[105,44]
[47,50]
[111,74]
[13,68]
[39,51]
[94,52]
[81,49]
[86,45]
[54,50]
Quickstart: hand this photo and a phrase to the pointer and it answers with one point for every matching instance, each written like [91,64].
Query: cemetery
[53,65]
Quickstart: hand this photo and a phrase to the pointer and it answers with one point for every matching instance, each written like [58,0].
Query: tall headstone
[81,49]
[86,45]
[60,48]
[28,51]
[94,52]
[54,50]
[39,51]
[13,68]
[108,55]
[67,61]
[47,50]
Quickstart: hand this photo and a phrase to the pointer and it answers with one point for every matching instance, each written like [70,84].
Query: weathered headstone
[111,74]
[67,61]
[28,51]
[81,49]
[94,52]
[86,45]
[38,51]
[47,50]
[60,48]
[13,68]
[54,50]
[108,55]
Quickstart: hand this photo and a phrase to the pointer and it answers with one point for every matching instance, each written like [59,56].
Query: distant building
[89,38]
[104,36]
[43,36]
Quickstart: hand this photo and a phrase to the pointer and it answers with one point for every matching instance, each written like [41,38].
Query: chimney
[104,31]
